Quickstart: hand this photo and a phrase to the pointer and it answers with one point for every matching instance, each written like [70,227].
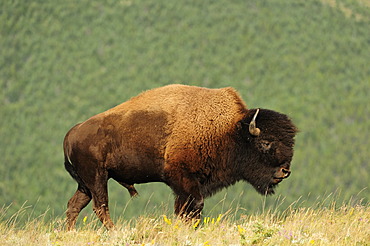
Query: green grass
[63,62]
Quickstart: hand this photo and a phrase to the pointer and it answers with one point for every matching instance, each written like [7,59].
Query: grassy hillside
[63,62]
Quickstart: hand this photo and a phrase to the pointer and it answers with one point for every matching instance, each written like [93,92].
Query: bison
[196,140]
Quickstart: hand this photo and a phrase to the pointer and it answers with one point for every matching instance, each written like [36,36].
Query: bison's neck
[216,184]
[222,172]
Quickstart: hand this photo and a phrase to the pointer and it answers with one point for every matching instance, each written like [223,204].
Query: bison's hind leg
[131,189]
[79,200]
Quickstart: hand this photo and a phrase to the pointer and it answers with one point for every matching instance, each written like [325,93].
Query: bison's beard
[266,188]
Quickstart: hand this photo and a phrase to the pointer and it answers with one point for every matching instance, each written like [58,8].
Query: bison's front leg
[189,201]
[100,198]
[102,211]
[188,207]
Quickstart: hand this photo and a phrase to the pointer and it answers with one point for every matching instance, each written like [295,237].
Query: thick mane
[204,115]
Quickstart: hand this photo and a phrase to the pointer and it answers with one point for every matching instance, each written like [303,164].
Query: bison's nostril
[286,172]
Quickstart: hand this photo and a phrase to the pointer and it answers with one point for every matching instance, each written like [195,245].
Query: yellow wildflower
[168,221]
[241,230]
[206,220]
[218,218]
[176,226]
[196,223]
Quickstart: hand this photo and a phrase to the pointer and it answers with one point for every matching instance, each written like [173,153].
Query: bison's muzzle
[281,174]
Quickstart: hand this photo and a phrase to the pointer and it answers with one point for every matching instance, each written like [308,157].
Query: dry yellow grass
[347,225]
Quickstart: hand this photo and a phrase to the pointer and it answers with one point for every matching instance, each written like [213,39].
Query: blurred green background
[64,61]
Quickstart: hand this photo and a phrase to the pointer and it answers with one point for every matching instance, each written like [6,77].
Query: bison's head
[269,141]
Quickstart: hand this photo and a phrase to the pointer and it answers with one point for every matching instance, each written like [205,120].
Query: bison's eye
[266,145]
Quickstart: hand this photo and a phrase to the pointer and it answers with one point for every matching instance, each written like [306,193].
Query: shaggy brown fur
[196,140]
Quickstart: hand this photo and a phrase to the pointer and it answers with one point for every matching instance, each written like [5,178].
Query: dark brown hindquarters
[94,188]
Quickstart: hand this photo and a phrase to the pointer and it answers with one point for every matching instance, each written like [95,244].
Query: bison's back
[189,108]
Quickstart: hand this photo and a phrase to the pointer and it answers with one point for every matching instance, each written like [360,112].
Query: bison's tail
[71,168]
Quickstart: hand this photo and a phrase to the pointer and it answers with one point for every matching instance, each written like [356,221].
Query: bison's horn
[252,126]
